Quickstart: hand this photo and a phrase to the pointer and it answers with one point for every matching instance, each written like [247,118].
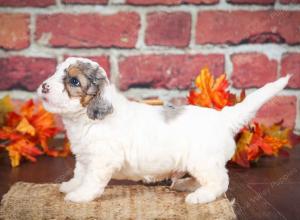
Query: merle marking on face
[87,82]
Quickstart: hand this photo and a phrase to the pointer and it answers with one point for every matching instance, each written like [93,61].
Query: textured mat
[44,201]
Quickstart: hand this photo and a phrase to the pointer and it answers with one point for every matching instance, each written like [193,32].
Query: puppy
[112,137]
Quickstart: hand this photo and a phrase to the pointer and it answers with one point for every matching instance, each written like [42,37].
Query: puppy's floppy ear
[100,104]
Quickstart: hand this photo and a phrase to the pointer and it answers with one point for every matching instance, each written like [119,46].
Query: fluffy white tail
[240,114]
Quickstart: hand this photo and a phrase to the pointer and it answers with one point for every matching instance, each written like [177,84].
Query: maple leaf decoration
[27,133]
[254,140]
[212,93]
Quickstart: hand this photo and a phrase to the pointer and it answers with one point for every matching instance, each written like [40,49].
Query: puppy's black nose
[45,88]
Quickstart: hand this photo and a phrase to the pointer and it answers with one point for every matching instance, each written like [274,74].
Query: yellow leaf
[25,127]
[278,132]
[14,156]
[5,107]
[240,156]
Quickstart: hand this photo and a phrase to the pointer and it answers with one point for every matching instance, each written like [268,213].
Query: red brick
[89,30]
[14,31]
[289,1]
[170,2]
[25,72]
[235,27]
[168,29]
[101,2]
[28,3]
[208,2]
[166,71]
[278,108]
[103,61]
[252,70]
[259,2]
[290,63]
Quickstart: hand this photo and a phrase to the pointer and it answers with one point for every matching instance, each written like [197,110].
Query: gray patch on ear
[171,112]
[98,108]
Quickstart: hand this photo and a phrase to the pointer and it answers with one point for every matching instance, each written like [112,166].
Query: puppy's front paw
[81,195]
[200,197]
[69,186]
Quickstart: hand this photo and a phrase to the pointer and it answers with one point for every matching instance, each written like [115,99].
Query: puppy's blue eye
[74,82]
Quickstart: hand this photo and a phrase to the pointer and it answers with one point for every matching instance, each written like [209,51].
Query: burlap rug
[44,201]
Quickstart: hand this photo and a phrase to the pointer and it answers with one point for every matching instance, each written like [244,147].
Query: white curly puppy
[116,138]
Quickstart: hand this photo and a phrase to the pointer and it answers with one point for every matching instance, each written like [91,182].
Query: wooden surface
[271,190]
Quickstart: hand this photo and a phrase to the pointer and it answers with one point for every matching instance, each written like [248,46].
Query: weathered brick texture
[252,70]
[30,3]
[290,64]
[240,27]
[290,1]
[166,71]
[88,30]
[25,72]
[14,31]
[168,29]
[153,44]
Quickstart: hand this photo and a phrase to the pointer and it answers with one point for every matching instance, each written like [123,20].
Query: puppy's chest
[83,139]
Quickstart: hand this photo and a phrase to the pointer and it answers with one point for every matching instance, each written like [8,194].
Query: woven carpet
[44,201]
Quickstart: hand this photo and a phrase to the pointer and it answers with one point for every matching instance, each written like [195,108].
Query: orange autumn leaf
[8,133]
[13,119]
[260,140]
[26,134]
[27,109]
[212,93]
[23,148]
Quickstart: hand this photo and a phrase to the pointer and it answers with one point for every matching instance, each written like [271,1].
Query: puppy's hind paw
[200,197]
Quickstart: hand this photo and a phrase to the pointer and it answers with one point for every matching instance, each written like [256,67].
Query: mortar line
[115,8]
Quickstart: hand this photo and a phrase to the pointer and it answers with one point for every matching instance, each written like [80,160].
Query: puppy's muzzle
[45,88]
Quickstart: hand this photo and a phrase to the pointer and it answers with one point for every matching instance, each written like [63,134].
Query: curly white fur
[135,142]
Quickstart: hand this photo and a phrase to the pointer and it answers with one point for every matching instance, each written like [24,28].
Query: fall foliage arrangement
[25,133]
[254,140]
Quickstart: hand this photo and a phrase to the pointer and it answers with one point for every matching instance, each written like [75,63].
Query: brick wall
[156,47]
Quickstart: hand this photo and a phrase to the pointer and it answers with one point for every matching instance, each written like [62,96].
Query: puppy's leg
[73,183]
[214,181]
[98,173]
[188,184]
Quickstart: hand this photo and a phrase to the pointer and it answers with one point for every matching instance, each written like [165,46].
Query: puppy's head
[77,85]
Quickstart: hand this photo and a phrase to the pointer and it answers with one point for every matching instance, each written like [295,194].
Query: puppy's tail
[240,114]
